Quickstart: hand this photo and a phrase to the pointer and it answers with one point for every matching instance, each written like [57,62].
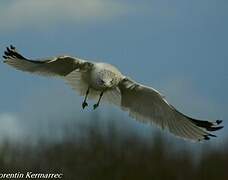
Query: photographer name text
[31,175]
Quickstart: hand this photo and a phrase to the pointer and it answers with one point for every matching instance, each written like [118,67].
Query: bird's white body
[104,76]
[97,79]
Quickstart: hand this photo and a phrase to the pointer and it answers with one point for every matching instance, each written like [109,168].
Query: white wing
[73,70]
[56,66]
[148,105]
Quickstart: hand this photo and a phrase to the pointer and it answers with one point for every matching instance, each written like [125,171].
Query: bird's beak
[109,84]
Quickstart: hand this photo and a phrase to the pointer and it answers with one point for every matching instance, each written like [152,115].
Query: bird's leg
[84,104]
[97,104]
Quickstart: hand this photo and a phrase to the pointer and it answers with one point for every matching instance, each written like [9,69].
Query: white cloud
[10,128]
[41,13]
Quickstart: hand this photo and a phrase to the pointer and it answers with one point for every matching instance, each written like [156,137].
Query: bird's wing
[56,66]
[148,105]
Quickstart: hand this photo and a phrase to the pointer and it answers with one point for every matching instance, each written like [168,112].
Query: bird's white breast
[102,71]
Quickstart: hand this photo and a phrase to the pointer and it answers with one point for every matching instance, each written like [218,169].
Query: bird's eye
[101,81]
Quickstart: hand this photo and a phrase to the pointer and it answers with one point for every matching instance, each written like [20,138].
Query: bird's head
[105,82]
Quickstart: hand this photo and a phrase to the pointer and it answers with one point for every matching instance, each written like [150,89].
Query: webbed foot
[95,106]
[84,104]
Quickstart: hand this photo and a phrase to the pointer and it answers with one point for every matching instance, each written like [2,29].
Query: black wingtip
[11,52]
[219,122]
[219,127]
[12,47]
[8,49]
[206,137]
[7,53]
[211,135]
[209,126]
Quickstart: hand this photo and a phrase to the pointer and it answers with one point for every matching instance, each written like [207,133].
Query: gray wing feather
[56,66]
[148,105]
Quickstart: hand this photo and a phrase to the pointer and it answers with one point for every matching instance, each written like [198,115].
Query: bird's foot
[95,106]
[84,104]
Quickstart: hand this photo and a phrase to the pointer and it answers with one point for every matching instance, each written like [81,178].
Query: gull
[103,81]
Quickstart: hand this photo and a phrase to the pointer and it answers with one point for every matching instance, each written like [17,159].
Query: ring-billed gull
[104,81]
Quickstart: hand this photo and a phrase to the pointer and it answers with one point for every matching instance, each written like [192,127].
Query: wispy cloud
[24,13]
[10,128]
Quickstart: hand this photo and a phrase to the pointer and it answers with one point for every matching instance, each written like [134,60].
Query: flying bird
[103,81]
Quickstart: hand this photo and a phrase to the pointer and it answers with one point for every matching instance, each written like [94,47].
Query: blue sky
[178,47]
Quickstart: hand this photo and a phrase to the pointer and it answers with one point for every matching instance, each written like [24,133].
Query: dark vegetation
[112,155]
